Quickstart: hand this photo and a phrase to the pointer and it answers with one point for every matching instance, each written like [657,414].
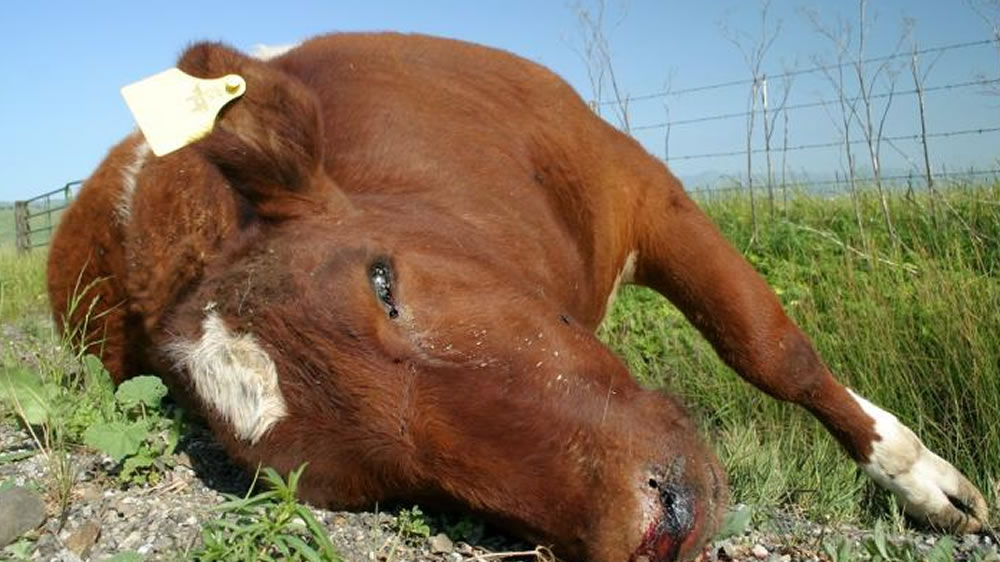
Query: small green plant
[271,525]
[464,528]
[881,549]
[20,549]
[840,549]
[138,434]
[412,524]
[735,523]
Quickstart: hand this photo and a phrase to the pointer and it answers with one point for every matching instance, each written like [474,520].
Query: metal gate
[36,218]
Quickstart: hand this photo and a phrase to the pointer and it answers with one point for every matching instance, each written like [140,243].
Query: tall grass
[8,233]
[22,284]
[915,328]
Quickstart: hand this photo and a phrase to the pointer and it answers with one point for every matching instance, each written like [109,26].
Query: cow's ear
[269,142]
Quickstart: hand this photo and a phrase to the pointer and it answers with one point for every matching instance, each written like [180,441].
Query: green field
[912,324]
[7,233]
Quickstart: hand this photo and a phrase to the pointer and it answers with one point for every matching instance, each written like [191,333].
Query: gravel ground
[164,521]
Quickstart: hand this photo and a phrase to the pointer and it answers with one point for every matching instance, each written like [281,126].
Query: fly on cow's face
[381,276]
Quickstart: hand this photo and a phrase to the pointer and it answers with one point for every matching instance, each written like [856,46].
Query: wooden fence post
[21,226]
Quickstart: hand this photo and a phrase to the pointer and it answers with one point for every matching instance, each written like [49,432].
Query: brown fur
[506,210]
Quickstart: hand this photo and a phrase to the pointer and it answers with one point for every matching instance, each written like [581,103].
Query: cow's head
[381,344]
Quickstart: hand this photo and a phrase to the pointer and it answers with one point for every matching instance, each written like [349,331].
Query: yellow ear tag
[174,109]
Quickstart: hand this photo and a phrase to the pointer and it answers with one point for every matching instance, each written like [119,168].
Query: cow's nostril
[670,523]
[678,511]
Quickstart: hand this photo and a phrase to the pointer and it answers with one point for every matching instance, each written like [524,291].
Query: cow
[388,260]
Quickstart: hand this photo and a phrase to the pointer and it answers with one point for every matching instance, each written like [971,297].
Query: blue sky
[60,107]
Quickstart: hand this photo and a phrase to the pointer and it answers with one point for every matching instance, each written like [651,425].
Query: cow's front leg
[683,256]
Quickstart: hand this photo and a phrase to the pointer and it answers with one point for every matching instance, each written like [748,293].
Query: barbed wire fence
[918,169]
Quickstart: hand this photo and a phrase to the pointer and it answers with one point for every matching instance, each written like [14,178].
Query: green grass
[8,234]
[22,284]
[913,327]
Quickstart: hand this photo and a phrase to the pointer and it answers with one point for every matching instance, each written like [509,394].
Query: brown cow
[388,261]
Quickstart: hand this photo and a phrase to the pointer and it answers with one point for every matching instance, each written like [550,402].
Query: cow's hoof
[936,493]
[929,487]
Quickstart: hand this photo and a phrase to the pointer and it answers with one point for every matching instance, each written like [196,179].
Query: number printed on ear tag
[174,109]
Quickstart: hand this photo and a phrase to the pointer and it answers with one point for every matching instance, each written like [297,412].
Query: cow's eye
[381,276]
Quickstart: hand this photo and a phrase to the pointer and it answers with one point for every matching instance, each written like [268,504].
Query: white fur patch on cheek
[233,376]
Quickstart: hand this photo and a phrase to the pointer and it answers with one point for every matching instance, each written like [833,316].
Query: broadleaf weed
[412,524]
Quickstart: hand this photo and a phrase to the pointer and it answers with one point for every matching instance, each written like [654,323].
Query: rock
[759,552]
[21,510]
[183,460]
[969,541]
[730,551]
[125,507]
[83,538]
[89,493]
[132,541]
[441,544]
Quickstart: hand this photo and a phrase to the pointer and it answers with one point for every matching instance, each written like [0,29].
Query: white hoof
[929,487]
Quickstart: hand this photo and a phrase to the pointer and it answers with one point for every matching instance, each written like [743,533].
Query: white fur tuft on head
[234,377]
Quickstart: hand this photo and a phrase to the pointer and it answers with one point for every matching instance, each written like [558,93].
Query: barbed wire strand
[806,105]
[829,144]
[790,73]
